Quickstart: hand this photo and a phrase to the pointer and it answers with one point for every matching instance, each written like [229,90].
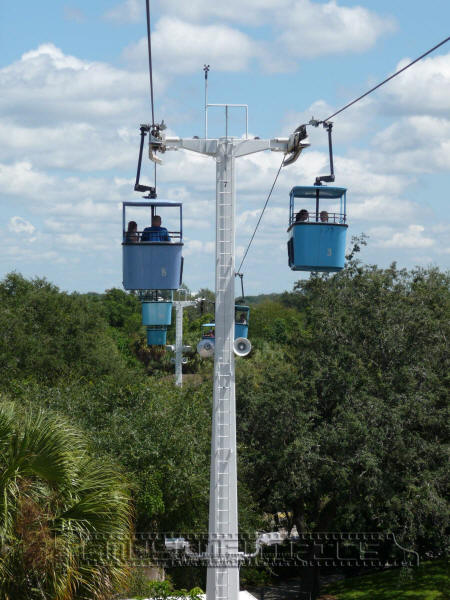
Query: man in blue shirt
[155,233]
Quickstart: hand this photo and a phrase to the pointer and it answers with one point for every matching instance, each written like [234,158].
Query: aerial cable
[261,216]
[313,122]
[150,67]
[153,129]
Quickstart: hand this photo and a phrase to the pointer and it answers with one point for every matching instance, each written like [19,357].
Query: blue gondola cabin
[152,245]
[156,316]
[317,233]
[242,316]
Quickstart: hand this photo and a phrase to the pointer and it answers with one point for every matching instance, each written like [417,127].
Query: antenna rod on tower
[206,69]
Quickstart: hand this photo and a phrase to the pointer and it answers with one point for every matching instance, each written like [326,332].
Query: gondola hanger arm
[295,145]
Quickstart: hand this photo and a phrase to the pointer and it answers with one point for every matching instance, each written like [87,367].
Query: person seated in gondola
[155,233]
[324,216]
[209,334]
[132,235]
[242,319]
[302,215]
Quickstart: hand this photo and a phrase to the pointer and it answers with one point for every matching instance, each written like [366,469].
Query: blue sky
[75,89]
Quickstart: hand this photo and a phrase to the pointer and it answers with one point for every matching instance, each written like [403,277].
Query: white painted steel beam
[179,348]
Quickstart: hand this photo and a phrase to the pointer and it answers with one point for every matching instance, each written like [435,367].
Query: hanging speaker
[205,348]
[242,346]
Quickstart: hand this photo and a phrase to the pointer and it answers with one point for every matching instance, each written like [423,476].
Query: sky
[74,90]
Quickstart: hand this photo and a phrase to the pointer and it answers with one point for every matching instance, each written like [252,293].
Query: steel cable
[386,80]
[150,68]
[262,213]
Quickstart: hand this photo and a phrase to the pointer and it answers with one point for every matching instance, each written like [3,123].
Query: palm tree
[65,517]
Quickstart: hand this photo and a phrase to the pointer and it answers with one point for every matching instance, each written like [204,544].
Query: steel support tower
[223,558]
[179,348]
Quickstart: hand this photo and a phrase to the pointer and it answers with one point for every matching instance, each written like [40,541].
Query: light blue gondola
[242,345]
[157,316]
[210,332]
[152,265]
[156,313]
[317,238]
[242,316]
[156,336]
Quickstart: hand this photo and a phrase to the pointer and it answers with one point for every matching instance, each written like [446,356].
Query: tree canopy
[342,405]
[61,511]
[347,428]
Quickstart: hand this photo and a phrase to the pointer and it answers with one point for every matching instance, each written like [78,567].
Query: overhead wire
[334,115]
[150,67]
[262,212]
[150,71]
[386,80]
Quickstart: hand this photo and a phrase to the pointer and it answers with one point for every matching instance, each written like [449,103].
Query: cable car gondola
[317,238]
[317,234]
[206,345]
[152,255]
[242,345]
[156,316]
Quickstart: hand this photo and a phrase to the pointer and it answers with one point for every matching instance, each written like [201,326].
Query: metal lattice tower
[223,556]
[223,580]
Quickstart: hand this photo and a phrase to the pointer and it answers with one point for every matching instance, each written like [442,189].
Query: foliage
[60,511]
[143,589]
[430,581]
[159,433]
[342,404]
[48,334]
[121,309]
[250,576]
[347,428]
[275,323]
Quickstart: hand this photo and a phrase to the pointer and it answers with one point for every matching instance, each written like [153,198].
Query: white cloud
[69,195]
[422,89]
[312,29]
[181,47]
[363,179]
[192,247]
[88,147]
[74,239]
[412,237]
[183,39]
[376,208]
[129,11]
[47,87]
[303,28]
[418,144]
[20,225]
[350,126]
[250,12]
[22,180]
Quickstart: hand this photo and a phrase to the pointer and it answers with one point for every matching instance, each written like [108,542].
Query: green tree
[48,334]
[61,511]
[122,309]
[346,428]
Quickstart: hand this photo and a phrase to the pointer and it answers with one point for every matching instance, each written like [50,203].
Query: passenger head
[302,215]
[132,226]
[324,216]
[156,221]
